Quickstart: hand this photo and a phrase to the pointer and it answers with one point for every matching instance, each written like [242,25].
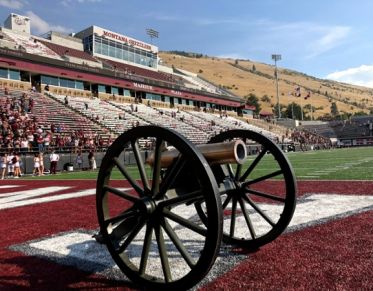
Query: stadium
[102,100]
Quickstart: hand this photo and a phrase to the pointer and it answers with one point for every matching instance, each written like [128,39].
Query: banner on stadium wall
[124,39]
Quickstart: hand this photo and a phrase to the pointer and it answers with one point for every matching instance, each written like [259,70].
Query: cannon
[164,217]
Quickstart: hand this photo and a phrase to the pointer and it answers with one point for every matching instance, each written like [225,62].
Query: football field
[47,225]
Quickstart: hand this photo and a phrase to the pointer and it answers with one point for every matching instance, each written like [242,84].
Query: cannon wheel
[146,212]
[261,202]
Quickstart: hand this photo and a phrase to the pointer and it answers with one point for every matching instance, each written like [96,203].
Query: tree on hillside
[265,98]
[334,109]
[293,110]
[252,100]
[275,109]
[360,113]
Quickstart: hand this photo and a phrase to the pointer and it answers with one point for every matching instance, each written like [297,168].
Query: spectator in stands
[47,139]
[54,158]
[76,144]
[31,104]
[66,100]
[46,88]
[30,139]
[24,144]
[40,142]
[3,164]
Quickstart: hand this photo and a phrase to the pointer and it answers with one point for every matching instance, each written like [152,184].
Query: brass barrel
[214,153]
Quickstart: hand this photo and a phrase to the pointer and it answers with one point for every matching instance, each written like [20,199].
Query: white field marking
[27,194]
[80,247]
[9,186]
[344,166]
[38,192]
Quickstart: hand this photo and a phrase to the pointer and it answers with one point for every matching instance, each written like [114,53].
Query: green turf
[337,164]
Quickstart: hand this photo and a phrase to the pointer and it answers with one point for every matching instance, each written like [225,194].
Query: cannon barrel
[214,153]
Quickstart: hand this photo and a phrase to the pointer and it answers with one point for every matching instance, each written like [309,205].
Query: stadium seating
[31,45]
[63,51]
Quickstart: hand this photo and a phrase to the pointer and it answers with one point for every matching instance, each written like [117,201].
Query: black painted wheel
[146,210]
[258,197]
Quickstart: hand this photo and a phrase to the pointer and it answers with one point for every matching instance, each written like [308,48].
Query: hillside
[243,77]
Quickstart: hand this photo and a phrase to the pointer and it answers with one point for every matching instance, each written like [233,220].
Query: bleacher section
[28,113]
[63,51]
[6,41]
[116,120]
[93,118]
[356,127]
[198,127]
[324,129]
[48,111]
[158,117]
[228,122]
[31,45]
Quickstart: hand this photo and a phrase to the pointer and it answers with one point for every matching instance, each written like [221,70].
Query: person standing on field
[54,158]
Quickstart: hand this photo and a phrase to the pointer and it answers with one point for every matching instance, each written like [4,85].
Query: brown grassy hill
[243,77]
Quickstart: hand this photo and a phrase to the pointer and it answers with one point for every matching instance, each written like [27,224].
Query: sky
[328,39]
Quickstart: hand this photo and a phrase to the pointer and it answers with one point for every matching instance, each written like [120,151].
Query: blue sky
[326,39]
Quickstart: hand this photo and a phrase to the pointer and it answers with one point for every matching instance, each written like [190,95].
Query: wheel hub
[147,206]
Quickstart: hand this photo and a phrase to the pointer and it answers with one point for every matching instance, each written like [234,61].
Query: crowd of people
[11,164]
[21,131]
[310,140]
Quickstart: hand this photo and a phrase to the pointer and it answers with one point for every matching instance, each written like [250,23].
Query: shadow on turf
[32,273]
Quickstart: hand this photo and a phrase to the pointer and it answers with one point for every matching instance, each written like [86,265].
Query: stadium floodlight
[152,33]
[276,58]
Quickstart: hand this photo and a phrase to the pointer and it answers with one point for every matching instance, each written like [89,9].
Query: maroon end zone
[329,253]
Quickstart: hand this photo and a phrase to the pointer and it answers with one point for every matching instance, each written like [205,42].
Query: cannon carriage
[164,217]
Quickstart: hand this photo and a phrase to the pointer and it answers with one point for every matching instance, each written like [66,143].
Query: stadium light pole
[152,33]
[276,58]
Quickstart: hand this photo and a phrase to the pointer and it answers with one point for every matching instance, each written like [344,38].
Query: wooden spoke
[265,195]
[163,254]
[247,218]
[124,172]
[265,177]
[185,222]
[120,193]
[179,245]
[140,164]
[146,248]
[253,164]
